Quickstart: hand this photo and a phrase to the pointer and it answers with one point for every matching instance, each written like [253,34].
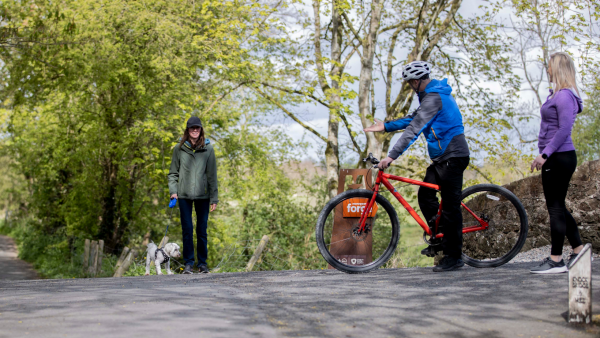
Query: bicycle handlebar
[371,159]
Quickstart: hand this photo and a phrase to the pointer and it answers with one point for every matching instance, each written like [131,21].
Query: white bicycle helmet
[415,70]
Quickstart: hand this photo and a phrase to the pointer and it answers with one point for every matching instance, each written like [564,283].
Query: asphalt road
[501,302]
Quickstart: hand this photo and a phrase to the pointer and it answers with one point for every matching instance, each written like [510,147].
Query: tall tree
[93,122]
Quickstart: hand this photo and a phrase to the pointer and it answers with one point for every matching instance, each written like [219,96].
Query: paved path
[501,302]
[10,266]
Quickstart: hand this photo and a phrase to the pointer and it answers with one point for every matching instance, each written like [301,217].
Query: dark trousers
[556,174]
[187,227]
[448,175]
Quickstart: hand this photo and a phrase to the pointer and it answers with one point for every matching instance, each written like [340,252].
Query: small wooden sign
[346,217]
[580,288]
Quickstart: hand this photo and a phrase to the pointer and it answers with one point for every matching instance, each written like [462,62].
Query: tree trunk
[366,77]
[332,156]
[109,206]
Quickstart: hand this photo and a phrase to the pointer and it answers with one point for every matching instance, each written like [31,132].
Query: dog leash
[172,204]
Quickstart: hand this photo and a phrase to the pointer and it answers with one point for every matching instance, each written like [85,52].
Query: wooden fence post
[86,253]
[122,258]
[100,254]
[93,258]
[125,266]
[257,253]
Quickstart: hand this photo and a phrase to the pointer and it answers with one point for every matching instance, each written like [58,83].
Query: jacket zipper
[434,135]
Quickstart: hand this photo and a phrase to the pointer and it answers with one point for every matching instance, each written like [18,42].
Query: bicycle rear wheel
[508,225]
[337,238]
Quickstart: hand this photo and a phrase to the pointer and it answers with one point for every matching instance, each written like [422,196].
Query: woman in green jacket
[193,181]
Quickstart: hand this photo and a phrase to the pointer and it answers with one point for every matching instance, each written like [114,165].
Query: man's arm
[431,104]
[399,124]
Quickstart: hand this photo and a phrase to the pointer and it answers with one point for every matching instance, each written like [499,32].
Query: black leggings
[556,174]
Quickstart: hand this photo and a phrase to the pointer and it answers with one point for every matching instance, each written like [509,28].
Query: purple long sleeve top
[558,115]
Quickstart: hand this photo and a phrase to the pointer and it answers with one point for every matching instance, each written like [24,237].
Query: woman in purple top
[557,159]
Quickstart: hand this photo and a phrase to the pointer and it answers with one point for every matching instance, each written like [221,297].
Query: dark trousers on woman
[448,175]
[187,227]
[556,175]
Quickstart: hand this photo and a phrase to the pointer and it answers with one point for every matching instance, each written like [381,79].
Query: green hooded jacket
[193,173]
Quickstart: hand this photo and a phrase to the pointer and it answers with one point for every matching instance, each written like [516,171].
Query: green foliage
[89,122]
[93,118]
[586,131]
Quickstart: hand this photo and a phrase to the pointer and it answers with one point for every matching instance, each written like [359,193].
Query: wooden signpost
[580,288]
[346,216]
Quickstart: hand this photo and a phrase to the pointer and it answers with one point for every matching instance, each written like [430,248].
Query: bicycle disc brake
[361,235]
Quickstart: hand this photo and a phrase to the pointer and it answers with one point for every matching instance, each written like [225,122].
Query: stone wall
[583,201]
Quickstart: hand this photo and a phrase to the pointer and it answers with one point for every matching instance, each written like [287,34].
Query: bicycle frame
[383,178]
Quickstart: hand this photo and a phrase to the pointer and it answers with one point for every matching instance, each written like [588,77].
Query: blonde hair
[563,72]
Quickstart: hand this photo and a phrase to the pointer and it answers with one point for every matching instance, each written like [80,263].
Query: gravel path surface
[506,301]
[12,267]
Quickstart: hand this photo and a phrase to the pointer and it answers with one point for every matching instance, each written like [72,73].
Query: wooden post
[86,253]
[93,258]
[100,254]
[162,243]
[352,252]
[257,253]
[580,288]
[122,258]
[125,266]
[146,239]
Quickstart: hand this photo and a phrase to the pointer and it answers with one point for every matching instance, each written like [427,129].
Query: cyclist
[440,120]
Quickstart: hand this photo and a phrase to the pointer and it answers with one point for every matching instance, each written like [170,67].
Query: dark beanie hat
[194,121]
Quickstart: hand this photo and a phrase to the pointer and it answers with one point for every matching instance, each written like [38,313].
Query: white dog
[161,256]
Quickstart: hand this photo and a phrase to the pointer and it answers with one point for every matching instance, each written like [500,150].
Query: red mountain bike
[358,230]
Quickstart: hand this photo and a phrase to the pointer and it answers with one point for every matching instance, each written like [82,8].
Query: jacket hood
[578,99]
[206,142]
[439,86]
[574,93]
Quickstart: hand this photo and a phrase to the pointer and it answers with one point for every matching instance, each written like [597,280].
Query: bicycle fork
[363,218]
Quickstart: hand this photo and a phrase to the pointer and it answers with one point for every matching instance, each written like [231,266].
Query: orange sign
[354,207]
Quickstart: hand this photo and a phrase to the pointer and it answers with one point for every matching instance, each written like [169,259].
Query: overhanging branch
[290,114]
[221,98]
[350,133]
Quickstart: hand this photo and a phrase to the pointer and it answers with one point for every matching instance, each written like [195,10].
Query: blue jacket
[438,118]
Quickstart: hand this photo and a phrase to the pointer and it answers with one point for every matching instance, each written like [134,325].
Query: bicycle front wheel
[507,230]
[339,241]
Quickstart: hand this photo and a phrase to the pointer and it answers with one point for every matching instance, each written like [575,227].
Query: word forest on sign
[354,207]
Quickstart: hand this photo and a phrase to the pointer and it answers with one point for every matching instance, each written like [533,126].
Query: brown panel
[346,247]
